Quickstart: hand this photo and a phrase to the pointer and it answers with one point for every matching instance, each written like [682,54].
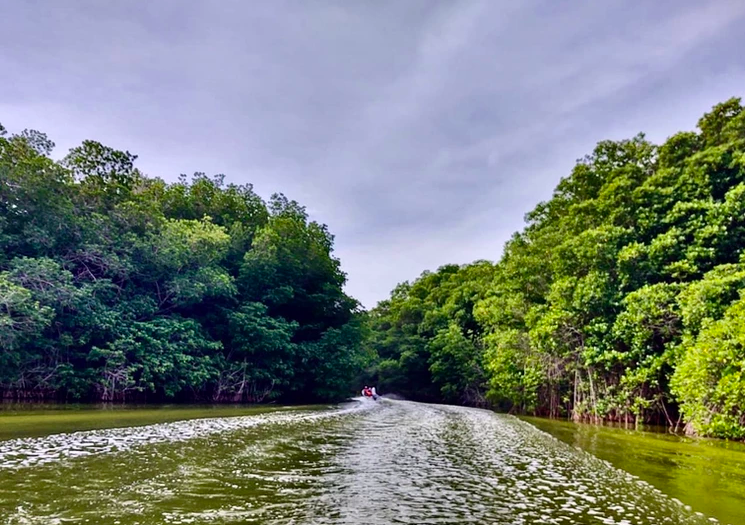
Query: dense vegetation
[622,299]
[117,286]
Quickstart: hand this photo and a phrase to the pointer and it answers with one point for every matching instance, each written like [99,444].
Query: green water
[19,421]
[707,474]
[362,462]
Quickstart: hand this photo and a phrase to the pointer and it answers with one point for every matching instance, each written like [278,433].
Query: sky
[420,131]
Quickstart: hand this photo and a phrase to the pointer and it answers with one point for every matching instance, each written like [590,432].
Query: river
[361,462]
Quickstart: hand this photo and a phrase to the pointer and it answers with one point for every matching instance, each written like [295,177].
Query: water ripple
[30,452]
[382,463]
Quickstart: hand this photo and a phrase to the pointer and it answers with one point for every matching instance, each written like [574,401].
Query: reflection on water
[704,473]
[379,463]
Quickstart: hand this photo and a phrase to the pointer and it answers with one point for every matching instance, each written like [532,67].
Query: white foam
[30,452]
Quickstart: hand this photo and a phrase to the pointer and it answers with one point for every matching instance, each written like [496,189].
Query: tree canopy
[621,299]
[119,286]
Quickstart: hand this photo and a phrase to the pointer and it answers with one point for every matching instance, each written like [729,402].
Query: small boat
[370,393]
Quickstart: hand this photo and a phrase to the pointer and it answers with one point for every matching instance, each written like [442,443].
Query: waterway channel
[359,462]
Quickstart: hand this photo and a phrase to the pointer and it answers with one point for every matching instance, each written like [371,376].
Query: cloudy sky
[420,131]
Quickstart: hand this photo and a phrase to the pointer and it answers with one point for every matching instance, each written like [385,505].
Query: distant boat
[370,392]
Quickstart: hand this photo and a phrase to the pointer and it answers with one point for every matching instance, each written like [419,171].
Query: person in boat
[367,392]
[374,393]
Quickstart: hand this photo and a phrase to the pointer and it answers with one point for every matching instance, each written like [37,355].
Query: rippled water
[374,463]
[706,473]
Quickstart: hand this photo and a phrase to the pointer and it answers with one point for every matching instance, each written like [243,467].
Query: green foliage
[628,278]
[707,299]
[427,338]
[290,269]
[455,364]
[515,377]
[118,286]
[710,379]
[20,316]
[164,355]
[264,344]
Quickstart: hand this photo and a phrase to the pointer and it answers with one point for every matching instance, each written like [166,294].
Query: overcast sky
[421,132]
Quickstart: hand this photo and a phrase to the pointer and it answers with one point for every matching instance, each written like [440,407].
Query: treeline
[116,286]
[622,299]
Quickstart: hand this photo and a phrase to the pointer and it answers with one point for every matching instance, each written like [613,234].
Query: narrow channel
[363,462]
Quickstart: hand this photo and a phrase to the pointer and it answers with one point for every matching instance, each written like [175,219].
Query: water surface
[362,462]
[707,474]
[25,420]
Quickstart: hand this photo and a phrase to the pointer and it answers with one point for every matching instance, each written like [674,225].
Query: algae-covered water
[707,474]
[359,462]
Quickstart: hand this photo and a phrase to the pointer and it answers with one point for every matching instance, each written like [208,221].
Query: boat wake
[31,452]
